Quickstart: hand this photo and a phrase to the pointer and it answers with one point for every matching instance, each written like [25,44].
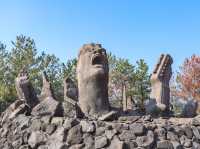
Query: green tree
[52,66]
[121,73]
[24,54]
[69,69]
[135,78]
[141,87]
[112,61]
[6,87]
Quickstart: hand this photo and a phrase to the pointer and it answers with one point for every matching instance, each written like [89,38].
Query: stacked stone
[48,132]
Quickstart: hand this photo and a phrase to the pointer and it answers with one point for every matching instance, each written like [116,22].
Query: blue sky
[130,29]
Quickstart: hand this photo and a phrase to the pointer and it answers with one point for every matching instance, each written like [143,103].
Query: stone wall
[29,132]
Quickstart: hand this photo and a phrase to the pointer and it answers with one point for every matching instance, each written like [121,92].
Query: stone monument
[92,75]
[70,90]
[47,90]
[160,78]
[25,90]
[70,103]
[27,98]
[48,105]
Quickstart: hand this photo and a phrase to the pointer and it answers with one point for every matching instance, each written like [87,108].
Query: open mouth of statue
[97,60]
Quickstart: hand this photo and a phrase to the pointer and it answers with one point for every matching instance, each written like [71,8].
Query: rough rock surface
[16,108]
[48,106]
[71,109]
[49,132]
[190,108]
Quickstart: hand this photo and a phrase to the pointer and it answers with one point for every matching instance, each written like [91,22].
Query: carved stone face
[92,73]
[92,61]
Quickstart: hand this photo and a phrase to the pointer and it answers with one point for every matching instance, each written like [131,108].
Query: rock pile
[48,132]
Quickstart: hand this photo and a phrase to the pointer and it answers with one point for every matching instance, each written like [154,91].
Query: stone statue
[70,104]
[25,90]
[47,90]
[160,78]
[48,105]
[27,98]
[70,90]
[92,73]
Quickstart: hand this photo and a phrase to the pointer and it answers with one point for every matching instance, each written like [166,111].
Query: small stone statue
[25,90]
[70,90]
[70,104]
[48,105]
[47,90]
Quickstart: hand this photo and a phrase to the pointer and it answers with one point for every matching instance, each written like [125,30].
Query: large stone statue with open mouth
[92,73]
